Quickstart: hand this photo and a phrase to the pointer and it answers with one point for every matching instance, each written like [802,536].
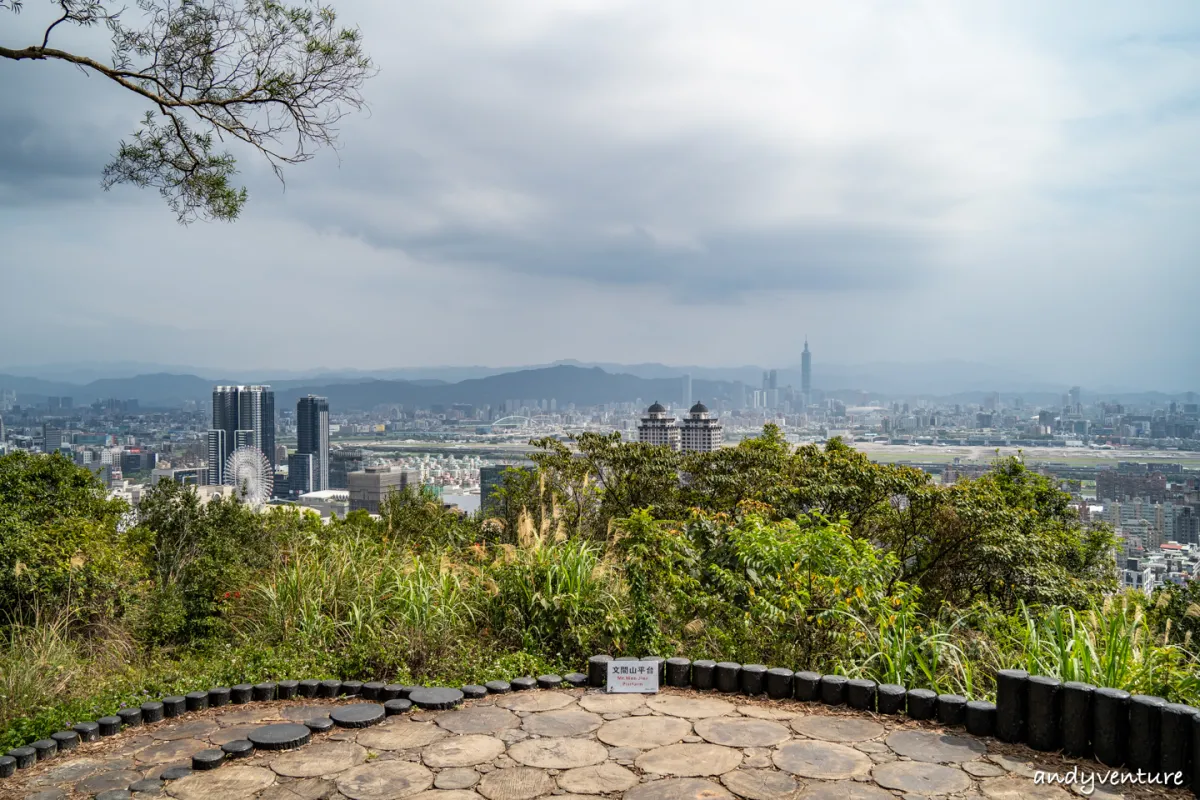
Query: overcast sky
[684,181]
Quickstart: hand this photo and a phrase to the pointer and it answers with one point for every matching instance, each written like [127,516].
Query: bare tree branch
[278,78]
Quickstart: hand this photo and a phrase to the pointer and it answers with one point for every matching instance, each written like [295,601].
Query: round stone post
[779,683]
[860,694]
[703,674]
[804,685]
[753,679]
[598,670]
[1176,741]
[922,704]
[1110,726]
[1044,720]
[727,676]
[1077,718]
[952,709]
[833,689]
[1145,731]
[981,718]
[679,672]
[891,698]
[1011,699]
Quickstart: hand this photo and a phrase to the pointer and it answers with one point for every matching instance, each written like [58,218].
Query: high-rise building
[687,390]
[490,479]
[369,487]
[657,428]
[341,464]
[1074,398]
[701,432]
[312,438]
[806,373]
[773,380]
[246,416]
[217,453]
[52,439]
[301,473]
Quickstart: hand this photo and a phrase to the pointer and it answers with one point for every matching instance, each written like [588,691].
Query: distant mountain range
[567,382]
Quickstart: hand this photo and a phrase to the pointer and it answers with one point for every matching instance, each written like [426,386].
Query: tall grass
[1110,644]
[37,663]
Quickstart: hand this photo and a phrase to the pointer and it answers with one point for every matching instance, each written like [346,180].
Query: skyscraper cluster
[243,416]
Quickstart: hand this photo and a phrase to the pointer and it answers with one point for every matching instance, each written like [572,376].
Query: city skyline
[639,175]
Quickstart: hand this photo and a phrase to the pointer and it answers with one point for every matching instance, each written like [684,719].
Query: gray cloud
[988,182]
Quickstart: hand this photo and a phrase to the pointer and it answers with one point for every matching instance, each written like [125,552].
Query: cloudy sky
[686,181]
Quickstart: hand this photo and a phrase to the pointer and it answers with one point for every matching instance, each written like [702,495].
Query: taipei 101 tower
[806,373]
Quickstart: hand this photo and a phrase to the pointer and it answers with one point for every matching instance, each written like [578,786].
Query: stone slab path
[569,744]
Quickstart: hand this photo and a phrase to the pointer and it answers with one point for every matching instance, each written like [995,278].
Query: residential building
[341,464]
[700,432]
[806,373]
[657,428]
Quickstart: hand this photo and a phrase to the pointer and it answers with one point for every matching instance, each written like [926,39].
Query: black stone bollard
[952,709]
[1196,755]
[627,658]
[196,701]
[8,766]
[660,661]
[88,731]
[576,679]
[860,694]
[922,704]
[890,698]
[704,674]
[407,690]
[130,717]
[109,726]
[1110,726]
[1076,730]
[779,683]
[753,679]
[208,759]
[306,688]
[549,681]
[1145,732]
[174,705]
[1011,704]
[66,740]
[806,686]
[23,757]
[726,678]
[494,687]
[473,691]
[679,672]
[370,690]
[833,689]
[242,692]
[1043,719]
[523,684]
[46,749]
[981,718]
[1176,740]
[218,697]
[329,689]
[598,670]
[152,711]
[351,688]
[262,692]
[284,690]
[393,691]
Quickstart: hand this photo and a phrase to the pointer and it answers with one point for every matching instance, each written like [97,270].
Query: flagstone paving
[570,744]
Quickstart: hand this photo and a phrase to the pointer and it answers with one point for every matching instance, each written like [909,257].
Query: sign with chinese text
[633,676]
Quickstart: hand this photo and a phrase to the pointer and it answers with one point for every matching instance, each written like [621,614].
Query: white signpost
[633,676]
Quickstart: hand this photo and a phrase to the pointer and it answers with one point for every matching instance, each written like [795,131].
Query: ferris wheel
[250,473]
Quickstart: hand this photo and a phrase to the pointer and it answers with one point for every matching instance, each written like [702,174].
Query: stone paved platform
[571,745]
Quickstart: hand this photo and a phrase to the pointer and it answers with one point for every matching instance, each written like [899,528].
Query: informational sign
[633,676]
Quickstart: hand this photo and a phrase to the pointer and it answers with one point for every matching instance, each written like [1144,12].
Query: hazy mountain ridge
[577,382]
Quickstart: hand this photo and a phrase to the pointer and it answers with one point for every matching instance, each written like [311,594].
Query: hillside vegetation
[809,558]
